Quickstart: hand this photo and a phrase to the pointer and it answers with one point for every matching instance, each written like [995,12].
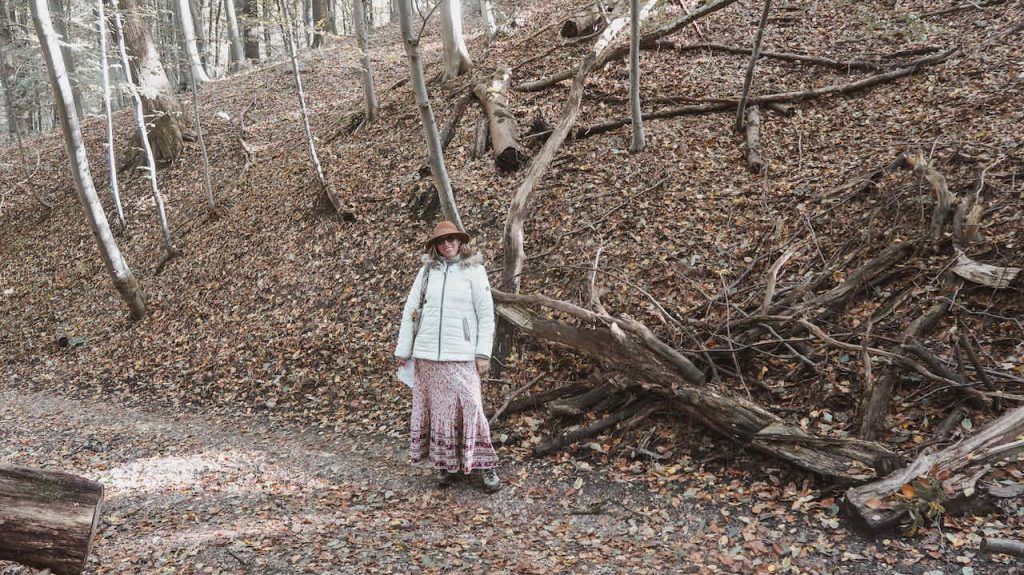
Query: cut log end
[511,159]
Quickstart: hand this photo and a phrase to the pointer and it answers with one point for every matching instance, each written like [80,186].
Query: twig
[512,395]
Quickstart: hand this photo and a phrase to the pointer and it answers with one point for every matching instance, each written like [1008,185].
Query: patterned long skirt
[449,428]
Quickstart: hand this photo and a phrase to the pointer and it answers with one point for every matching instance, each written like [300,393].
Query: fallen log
[739,419]
[509,154]
[563,440]
[587,21]
[47,518]
[1007,546]
[883,504]
[755,161]
[480,137]
[843,65]
[944,198]
[576,405]
[542,398]
[995,277]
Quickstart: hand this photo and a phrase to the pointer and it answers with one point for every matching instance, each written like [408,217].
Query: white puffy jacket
[457,322]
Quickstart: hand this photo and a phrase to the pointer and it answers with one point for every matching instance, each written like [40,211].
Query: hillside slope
[277,308]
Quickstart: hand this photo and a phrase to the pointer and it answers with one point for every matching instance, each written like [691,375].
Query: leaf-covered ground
[284,319]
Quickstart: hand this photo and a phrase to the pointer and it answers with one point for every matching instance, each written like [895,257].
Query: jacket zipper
[440,318]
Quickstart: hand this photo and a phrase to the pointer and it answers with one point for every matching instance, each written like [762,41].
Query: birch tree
[140,122]
[237,48]
[639,142]
[123,278]
[453,45]
[105,81]
[419,86]
[188,32]
[363,40]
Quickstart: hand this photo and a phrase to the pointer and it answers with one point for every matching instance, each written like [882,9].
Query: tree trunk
[307,22]
[638,142]
[754,54]
[487,11]
[145,139]
[363,40]
[237,48]
[122,275]
[60,24]
[321,14]
[105,80]
[266,29]
[188,34]
[453,45]
[509,154]
[434,152]
[202,45]
[957,469]
[47,518]
[586,21]
[250,29]
[161,108]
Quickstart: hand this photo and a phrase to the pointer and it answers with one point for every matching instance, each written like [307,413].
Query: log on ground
[509,154]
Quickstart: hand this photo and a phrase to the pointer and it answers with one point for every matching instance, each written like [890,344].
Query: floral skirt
[449,428]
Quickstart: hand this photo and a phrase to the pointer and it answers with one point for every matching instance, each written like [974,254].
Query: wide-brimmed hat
[446,228]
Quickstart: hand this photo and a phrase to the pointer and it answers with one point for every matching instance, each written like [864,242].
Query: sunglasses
[448,239]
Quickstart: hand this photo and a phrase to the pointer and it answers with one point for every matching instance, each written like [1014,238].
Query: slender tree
[60,24]
[363,39]
[196,8]
[250,28]
[238,60]
[124,279]
[140,122]
[188,32]
[433,140]
[105,80]
[754,55]
[453,45]
[487,11]
[161,108]
[639,142]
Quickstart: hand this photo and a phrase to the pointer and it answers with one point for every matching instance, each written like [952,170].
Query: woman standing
[448,330]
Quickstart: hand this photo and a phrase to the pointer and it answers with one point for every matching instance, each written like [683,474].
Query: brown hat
[446,228]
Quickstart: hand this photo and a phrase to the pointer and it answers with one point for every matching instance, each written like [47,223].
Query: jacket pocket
[465,329]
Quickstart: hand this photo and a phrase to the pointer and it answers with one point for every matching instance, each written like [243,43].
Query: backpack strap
[418,314]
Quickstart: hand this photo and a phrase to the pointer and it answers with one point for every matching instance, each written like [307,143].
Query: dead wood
[961,8]
[972,355]
[579,404]
[587,21]
[480,137]
[542,398]
[843,65]
[749,77]
[509,154]
[755,160]
[563,440]
[975,397]
[730,104]
[512,395]
[995,277]
[1007,546]
[877,507]
[736,418]
[47,519]
[944,198]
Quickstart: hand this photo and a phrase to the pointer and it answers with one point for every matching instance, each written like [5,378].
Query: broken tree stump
[586,21]
[509,154]
[47,518]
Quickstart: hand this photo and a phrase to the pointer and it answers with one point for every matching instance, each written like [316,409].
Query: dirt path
[191,494]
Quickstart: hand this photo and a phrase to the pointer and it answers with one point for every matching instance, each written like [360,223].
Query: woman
[448,330]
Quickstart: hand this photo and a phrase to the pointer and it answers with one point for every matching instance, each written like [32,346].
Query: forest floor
[200,494]
[281,320]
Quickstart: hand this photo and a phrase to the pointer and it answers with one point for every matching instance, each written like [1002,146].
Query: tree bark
[433,141]
[250,28]
[487,11]
[202,45]
[363,41]
[118,269]
[586,21]
[509,154]
[321,15]
[161,108]
[237,48]
[958,468]
[47,518]
[105,81]
[453,45]
[638,143]
[754,54]
[61,26]
[188,33]
[755,161]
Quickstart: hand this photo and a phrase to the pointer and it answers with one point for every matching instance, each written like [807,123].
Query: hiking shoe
[445,478]
[491,481]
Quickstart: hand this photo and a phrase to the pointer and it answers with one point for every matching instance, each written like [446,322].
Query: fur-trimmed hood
[473,260]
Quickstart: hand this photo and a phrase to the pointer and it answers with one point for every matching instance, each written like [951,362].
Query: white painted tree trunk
[487,11]
[119,271]
[639,142]
[105,79]
[435,154]
[289,41]
[363,39]
[140,123]
[453,45]
[188,32]
[238,60]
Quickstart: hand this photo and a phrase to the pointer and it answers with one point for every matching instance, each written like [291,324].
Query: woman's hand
[482,366]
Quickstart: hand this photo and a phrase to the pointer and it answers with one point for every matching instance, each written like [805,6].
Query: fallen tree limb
[995,277]
[509,154]
[755,160]
[543,397]
[843,65]
[876,507]
[560,441]
[1007,546]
